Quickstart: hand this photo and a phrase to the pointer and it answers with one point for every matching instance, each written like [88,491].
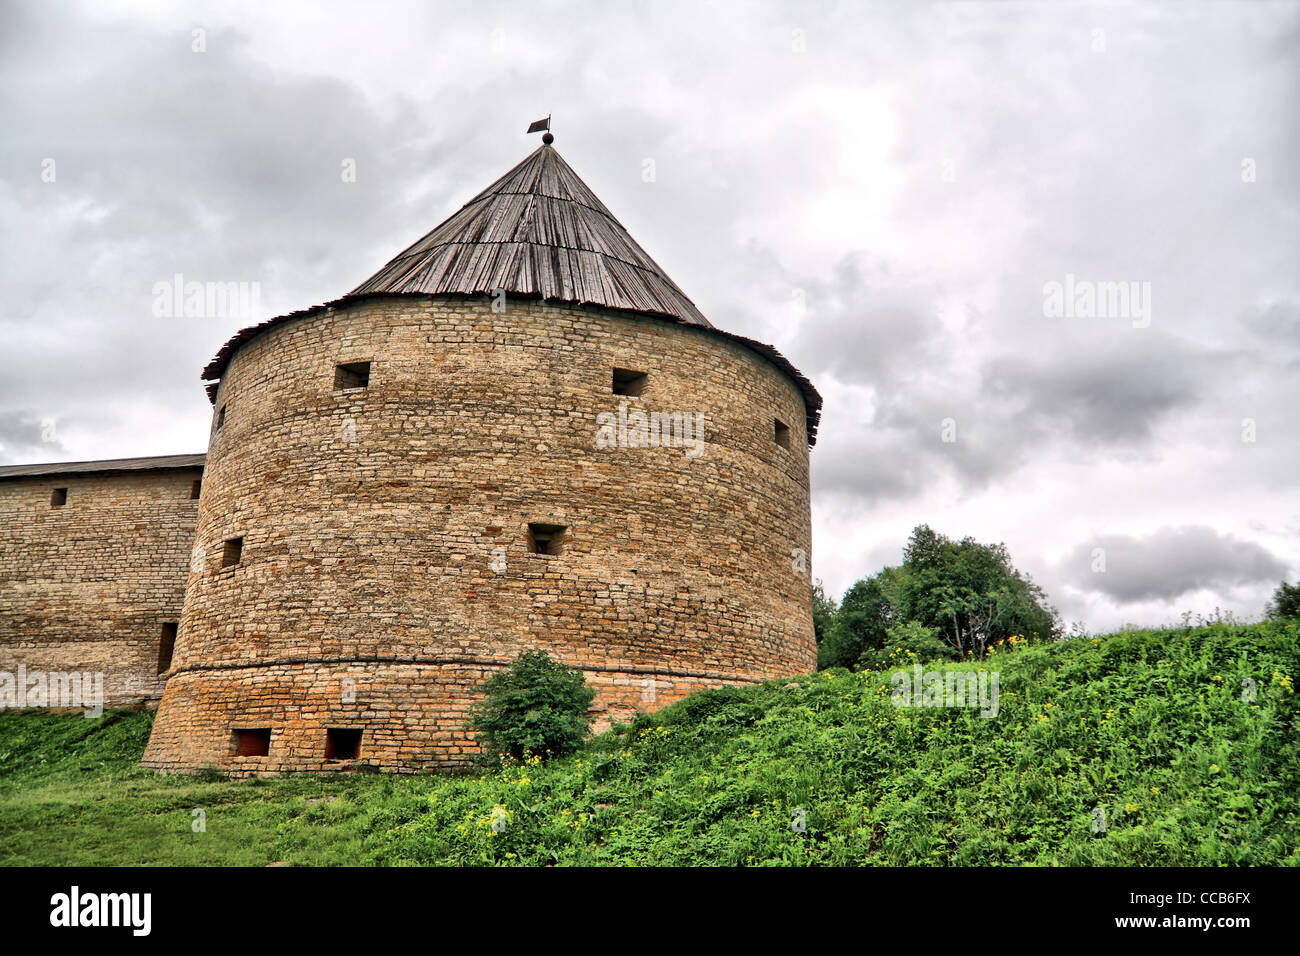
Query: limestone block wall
[87,586]
[413,715]
[386,564]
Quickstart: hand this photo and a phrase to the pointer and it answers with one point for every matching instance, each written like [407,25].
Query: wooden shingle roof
[537,231]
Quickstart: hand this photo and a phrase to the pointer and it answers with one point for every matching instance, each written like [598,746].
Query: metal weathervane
[543,124]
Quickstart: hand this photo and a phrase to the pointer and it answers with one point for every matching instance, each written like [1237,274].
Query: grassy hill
[1147,731]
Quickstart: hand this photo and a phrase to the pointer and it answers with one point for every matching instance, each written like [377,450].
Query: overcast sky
[886,193]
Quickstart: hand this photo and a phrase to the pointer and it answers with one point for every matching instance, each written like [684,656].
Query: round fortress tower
[519,434]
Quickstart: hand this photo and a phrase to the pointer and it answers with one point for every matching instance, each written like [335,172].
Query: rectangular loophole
[629,382]
[782,433]
[166,645]
[545,538]
[351,375]
[342,743]
[251,742]
[221,417]
[233,552]
[58,497]
[195,488]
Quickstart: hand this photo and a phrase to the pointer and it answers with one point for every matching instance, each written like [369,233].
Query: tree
[824,609]
[1285,603]
[860,624]
[970,593]
[961,595]
[536,706]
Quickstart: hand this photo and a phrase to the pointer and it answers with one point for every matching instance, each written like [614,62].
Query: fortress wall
[87,586]
[413,715]
[386,529]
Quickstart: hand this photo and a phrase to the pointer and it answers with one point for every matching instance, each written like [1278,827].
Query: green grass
[1150,726]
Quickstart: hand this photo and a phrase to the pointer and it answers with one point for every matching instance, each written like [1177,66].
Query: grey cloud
[868,325]
[26,438]
[904,453]
[876,471]
[1277,323]
[214,166]
[1169,563]
[1098,399]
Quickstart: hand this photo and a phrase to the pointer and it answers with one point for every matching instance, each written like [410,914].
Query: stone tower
[519,434]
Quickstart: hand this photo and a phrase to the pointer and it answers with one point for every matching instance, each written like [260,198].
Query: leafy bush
[907,643]
[536,707]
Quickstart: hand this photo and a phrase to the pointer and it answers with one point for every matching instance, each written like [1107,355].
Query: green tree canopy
[964,594]
[1285,603]
[860,624]
[824,609]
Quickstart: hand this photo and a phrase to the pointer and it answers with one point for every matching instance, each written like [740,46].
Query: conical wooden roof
[537,231]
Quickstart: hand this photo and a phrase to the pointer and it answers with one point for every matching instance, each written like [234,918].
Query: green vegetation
[536,706]
[948,599]
[1187,740]
[72,793]
[1285,603]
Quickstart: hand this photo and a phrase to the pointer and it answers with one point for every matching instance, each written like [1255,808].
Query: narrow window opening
[59,497]
[351,375]
[221,417]
[782,433]
[166,646]
[628,382]
[196,488]
[342,743]
[255,742]
[233,552]
[545,538]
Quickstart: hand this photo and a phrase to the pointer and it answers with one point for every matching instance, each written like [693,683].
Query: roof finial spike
[543,124]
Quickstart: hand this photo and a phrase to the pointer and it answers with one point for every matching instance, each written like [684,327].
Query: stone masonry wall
[413,716]
[87,586]
[385,565]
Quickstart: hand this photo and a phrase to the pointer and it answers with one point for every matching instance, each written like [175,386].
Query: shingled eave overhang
[106,466]
[216,368]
